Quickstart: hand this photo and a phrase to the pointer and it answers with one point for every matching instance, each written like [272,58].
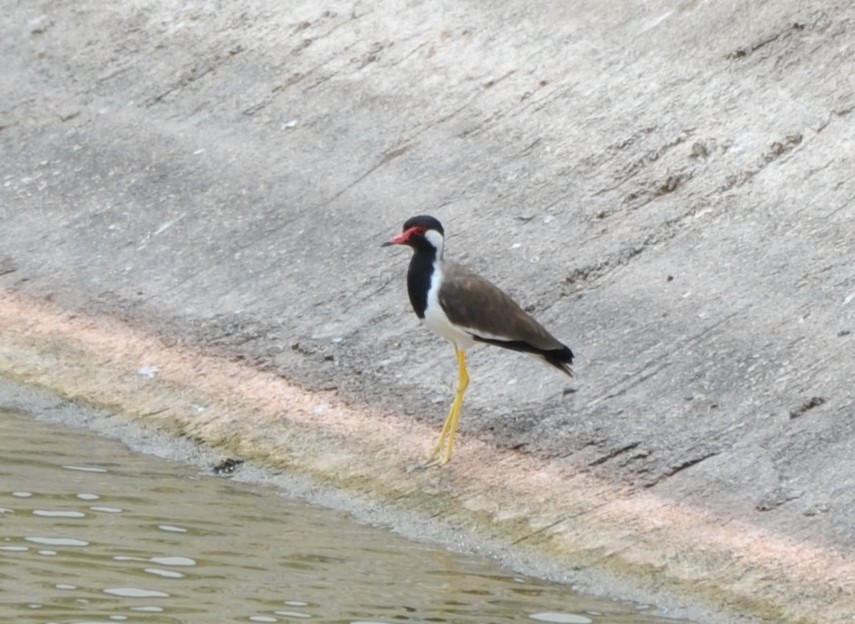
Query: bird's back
[490,315]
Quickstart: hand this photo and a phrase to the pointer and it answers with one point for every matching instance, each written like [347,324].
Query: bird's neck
[423,266]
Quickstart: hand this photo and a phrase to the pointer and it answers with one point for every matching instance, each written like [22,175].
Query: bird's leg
[445,443]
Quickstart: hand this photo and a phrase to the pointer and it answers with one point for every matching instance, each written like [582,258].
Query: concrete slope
[668,186]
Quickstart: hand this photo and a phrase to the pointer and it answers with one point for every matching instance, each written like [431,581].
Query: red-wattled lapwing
[464,307]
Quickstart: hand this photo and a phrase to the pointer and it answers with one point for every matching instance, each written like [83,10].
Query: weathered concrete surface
[669,185]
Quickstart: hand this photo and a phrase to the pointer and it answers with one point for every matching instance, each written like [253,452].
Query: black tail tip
[561,359]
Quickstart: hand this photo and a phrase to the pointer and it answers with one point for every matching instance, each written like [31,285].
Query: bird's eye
[416,230]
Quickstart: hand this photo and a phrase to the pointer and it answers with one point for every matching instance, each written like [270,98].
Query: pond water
[91,531]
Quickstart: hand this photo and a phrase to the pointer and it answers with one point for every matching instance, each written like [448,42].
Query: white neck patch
[435,239]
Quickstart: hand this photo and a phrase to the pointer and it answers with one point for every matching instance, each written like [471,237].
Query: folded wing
[489,315]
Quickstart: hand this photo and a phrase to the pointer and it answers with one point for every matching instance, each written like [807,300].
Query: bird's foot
[437,460]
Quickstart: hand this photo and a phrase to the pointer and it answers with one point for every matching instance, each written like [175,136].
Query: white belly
[436,320]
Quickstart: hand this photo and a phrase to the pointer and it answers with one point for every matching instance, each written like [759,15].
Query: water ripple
[207,549]
[135,592]
[57,541]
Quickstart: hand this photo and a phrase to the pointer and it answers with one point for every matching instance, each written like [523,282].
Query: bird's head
[420,233]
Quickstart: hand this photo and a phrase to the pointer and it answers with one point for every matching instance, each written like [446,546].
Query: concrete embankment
[193,200]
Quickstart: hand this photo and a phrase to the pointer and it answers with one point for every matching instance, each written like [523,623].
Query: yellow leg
[445,443]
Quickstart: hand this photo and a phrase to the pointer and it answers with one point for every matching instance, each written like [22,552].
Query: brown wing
[475,304]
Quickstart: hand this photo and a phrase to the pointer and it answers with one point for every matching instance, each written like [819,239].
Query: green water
[91,531]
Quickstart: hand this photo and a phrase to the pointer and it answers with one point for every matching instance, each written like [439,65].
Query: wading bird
[467,309]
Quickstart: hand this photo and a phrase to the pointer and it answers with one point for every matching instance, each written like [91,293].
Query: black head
[424,222]
[419,232]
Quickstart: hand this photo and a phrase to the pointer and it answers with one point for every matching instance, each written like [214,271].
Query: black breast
[418,278]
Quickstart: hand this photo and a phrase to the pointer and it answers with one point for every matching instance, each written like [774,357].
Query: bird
[467,309]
